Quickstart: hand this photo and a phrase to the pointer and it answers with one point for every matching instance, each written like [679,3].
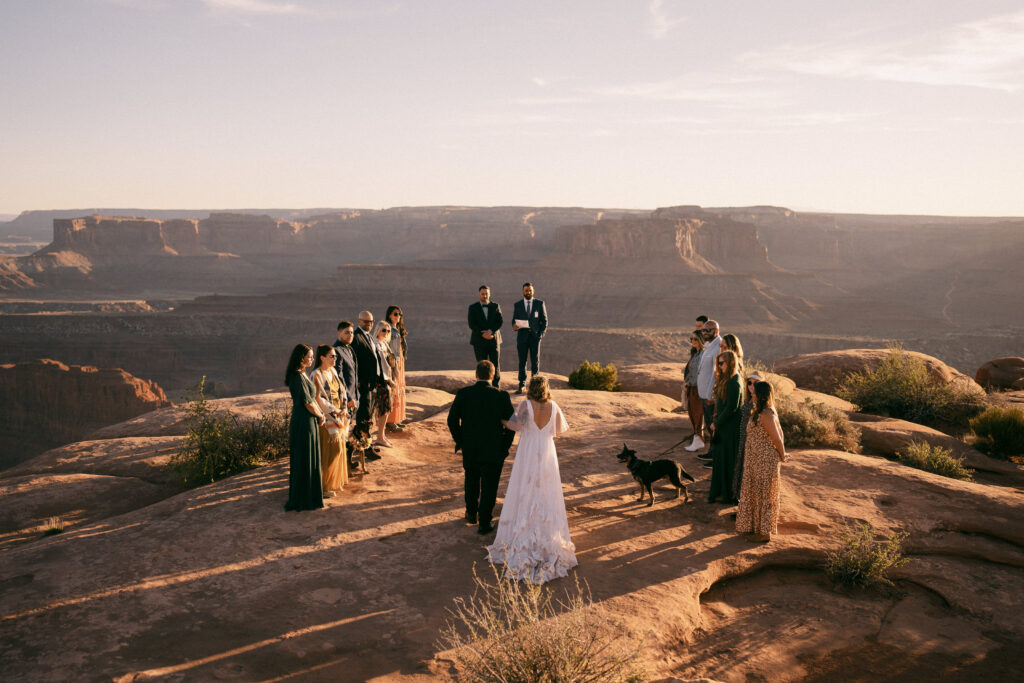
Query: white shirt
[527,303]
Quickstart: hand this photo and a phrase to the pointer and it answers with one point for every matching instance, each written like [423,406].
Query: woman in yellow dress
[329,393]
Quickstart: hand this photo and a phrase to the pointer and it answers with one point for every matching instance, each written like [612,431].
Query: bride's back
[541,413]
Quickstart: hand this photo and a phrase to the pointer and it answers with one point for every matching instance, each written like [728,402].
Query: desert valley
[116,313]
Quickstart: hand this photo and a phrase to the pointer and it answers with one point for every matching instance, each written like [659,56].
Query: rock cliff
[46,403]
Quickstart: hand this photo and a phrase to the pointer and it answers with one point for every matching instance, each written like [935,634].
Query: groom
[475,423]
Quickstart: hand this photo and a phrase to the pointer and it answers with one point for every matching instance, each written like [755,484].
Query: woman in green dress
[304,490]
[725,432]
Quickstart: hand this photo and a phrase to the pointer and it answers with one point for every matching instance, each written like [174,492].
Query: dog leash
[672,447]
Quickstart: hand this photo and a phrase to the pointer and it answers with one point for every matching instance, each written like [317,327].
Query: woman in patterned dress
[400,350]
[758,512]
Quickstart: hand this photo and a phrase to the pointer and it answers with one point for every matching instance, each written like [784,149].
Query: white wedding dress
[533,532]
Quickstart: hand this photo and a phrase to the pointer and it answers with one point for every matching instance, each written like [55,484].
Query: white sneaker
[698,443]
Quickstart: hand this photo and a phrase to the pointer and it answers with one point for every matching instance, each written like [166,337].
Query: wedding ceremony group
[347,396]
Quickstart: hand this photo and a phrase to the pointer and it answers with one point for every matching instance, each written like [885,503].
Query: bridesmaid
[725,431]
[758,513]
[329,393]
[304,492]
[400,350]
[380,403]
[732,343]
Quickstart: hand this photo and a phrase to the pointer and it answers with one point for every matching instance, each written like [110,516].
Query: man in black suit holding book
[485,322]
[474,421]
[530,320]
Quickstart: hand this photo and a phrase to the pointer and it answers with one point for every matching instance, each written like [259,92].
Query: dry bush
[218,445]
[934,459]
[816,425]
[863,560]
[512,631]
[592,376]
[1000,431]
[54,525]
[901,387]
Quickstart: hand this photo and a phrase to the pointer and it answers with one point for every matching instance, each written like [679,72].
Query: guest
[699,329]
[347,368]
[706,374]
[304,491]
[400,351]
[731,343]
[370,375]
[381,404]
[329,393]
[694,406]
[725,432]
[758,513]
[745,410]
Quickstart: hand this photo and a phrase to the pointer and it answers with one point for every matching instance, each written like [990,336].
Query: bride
[533,532]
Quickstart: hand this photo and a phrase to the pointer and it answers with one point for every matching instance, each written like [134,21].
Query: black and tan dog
[647,472]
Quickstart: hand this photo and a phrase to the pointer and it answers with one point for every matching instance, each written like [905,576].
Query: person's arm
[498,320]
[561,426]
[732,404]
[308,399]
[455,421]
[473,320]
[514,422]
[542,319]
[770,421]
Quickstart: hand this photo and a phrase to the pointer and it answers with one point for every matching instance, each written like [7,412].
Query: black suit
[368,372]
[528,338]
[347,367]
[486,349]
[474,421]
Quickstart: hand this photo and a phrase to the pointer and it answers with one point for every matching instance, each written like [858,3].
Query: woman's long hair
[764,398]
[298,353]
[400,326]
[722,377]
[694,350]
[539,389]
[732,343]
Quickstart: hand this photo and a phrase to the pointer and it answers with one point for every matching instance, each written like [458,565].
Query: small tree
[592,376]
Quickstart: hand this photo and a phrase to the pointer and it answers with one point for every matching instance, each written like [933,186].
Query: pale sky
[863,106]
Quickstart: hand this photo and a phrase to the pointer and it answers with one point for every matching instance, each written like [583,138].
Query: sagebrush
[594,377]
[219,444]
[511,631]
[935,459]
[1000,431]
[54,525]
[863,560]
[901,387]
[809,424]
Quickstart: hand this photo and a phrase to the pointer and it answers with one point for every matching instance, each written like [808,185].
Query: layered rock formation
[45,403]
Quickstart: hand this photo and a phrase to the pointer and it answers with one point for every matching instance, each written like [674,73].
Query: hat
[756,376]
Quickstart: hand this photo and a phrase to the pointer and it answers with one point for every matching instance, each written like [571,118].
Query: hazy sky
[864,106]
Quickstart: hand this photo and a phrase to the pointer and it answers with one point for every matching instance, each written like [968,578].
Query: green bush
[218,444]
[511,631]
[816,425]
[1000,430]
[902,387]
[592,376]
[935,459]
[861,560]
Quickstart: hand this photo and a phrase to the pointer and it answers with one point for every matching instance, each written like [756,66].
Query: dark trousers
[491,353]
[529,344]
[709,415]
[482,477]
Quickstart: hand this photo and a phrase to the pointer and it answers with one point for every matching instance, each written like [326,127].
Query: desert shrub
[514,631]
[1000,430]
[592,376]
[863,560]
[816,425]
[901,387]
[219,444]
[54,525]
[935,459]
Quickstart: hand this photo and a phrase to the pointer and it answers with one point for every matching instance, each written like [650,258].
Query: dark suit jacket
[538,319]
[478,324]
[347,367]
[367,361]
[474,421]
